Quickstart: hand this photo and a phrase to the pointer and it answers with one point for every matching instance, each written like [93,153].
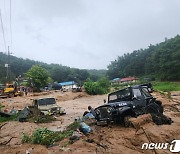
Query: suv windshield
[120,95]
[46,101]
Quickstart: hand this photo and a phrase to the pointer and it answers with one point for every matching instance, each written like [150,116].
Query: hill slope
[161,61]
[59,73]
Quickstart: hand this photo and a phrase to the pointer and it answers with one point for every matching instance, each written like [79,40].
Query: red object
[128,79]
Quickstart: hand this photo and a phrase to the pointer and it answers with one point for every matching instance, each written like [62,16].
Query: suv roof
[126,94]
[45,101]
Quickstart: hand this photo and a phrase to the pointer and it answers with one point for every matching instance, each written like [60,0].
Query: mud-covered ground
[111,139]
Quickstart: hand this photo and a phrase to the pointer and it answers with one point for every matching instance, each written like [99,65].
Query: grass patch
[11,118]
[166,86]
[47,137]
[73,126]
[42,119]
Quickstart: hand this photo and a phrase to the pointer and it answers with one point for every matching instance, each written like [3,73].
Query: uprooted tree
[38,77]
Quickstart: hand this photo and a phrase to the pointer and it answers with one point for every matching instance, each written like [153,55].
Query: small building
[54,86]
[115,81]
[129,79]
[68,85]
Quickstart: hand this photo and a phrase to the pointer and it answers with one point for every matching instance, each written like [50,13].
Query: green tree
[160,61]
[37,76]
[102,86]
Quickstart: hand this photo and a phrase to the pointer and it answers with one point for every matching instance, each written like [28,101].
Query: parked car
[129,102]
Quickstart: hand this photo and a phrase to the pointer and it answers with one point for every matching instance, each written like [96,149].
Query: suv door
[139,98]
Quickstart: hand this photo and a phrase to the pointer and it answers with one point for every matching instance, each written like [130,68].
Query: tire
[160,107]
[158,102]
[127,122]
[152,108]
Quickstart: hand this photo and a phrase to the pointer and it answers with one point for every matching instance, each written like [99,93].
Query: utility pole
[7,65]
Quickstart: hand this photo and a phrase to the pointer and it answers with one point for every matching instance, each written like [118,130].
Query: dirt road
[112,139]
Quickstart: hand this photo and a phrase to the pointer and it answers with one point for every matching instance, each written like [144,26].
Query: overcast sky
[86,33]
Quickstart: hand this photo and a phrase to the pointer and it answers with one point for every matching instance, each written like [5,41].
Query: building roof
[128,79]
[67,83]
[116,79]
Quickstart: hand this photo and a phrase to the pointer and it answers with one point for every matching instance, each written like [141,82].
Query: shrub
[43,136]
[47,137]
[26,138]
[102,86]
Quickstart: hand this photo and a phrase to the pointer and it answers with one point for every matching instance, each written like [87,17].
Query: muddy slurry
[108,139]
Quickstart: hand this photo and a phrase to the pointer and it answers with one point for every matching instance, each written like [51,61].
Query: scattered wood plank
[2,125]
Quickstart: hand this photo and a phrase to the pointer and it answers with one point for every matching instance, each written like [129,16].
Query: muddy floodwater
[110,139]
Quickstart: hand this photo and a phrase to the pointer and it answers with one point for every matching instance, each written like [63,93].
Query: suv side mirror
[104,101]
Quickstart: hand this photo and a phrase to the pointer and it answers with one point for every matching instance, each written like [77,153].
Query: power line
[9,41]
[3,31]
[10,22]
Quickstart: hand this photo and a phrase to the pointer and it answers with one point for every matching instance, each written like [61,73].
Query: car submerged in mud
[41,107]
[48,106]
[129,102]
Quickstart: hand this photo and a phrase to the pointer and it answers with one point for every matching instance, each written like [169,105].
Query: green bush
[26,138]
[47,137]
[43,136]
[102,86]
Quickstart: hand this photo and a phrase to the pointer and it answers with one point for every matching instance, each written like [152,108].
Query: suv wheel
[160,107]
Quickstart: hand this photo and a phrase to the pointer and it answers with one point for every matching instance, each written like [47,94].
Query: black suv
[129,102]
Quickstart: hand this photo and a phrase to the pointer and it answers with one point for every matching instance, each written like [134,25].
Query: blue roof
[67,83]
[116,79]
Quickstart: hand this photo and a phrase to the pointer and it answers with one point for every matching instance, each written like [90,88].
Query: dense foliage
[95,75]
[37,77]
[102,86]
[159,61]
[59,73]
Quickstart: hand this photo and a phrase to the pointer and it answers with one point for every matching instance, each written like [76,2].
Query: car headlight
[109,110]
[97,111]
